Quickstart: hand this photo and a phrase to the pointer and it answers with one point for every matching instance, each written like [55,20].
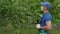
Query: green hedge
[17,16]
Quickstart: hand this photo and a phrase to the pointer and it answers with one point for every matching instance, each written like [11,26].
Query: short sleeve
[48,18]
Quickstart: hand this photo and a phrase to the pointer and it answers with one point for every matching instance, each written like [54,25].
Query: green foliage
[16,16]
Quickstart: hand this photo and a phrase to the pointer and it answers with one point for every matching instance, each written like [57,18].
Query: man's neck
[46,11]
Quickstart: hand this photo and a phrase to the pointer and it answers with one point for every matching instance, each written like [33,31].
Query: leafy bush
[16,16]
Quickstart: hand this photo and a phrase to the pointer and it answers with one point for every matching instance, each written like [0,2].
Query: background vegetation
[17,16]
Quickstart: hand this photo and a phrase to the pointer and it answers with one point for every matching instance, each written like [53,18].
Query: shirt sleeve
[48,18]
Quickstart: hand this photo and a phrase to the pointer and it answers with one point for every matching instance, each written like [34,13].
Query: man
[45,23]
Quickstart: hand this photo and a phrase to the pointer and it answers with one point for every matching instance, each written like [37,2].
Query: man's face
[43,8]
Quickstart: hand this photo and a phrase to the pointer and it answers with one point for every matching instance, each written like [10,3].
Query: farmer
[45,23]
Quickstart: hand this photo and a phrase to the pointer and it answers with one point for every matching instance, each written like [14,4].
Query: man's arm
[47,27]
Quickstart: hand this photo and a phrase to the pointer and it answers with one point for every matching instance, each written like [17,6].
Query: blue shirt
[46,17]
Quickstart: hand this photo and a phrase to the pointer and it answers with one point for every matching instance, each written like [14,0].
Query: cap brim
[42,3]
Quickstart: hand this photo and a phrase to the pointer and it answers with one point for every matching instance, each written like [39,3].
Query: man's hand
[38,26]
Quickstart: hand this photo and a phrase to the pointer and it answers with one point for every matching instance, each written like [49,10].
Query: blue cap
[47,4]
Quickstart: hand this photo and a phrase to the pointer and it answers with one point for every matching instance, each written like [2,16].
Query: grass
[55,31]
